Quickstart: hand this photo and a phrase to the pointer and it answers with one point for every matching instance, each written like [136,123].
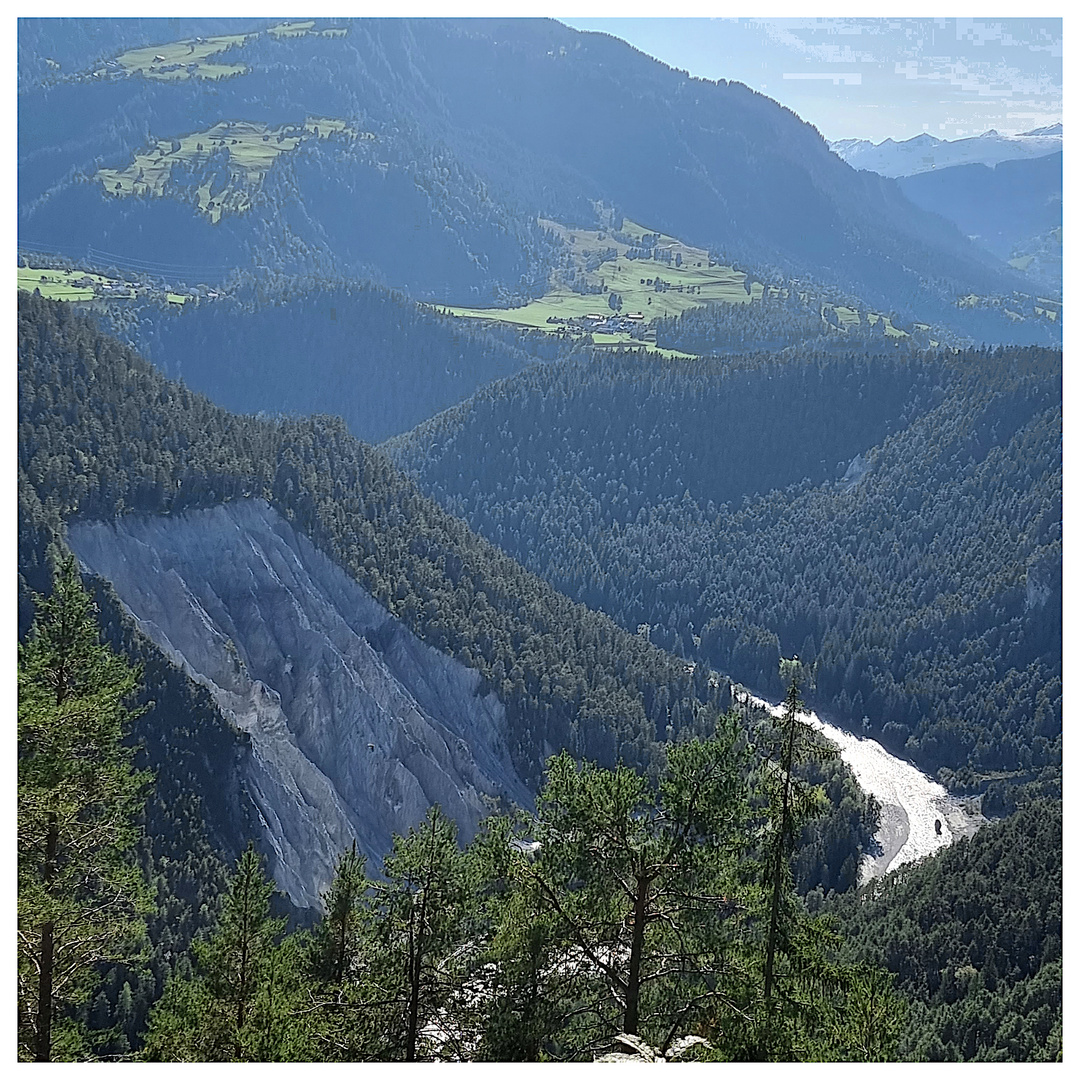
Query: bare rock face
[355,726]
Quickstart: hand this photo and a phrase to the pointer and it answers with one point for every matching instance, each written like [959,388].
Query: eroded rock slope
[355,726]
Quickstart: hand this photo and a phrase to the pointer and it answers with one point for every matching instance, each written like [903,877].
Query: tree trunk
[781,845]
[416,968]
[44,1010]
[45,970]
[637,947]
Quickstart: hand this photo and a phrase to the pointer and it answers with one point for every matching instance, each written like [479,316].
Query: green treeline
[324,350]
[624,914]
[102,433]
[896,519]
[974,939]
[656,914]
[776,323]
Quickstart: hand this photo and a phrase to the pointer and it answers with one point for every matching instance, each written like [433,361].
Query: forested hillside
[1008,208]
[324,351]
[851,509]
[974,938]
[1000,205]
[102,433]
[435,436]
[422,154]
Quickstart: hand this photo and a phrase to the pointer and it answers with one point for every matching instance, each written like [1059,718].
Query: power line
[97,254]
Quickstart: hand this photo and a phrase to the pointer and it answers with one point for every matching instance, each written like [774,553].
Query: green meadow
[176,61]
[62,284]
[691,284]
[650,287]
[82,285]
[250,149]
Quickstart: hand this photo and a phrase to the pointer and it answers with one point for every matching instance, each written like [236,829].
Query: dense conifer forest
[396,600]
[903,531]
[340,338]
[102,433]
[974,937]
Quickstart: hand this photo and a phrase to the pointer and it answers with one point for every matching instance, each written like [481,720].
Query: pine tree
[627,889]
[80,893]
[791,804]
[341,1021]
[241,1003]
[420,910]
[336,942]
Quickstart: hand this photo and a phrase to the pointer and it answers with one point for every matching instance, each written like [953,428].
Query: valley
[498,586]
[918,816]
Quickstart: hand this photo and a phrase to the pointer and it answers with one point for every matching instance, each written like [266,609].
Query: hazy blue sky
[872,78]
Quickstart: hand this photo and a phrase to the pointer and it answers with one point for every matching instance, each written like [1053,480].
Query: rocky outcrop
[354,726]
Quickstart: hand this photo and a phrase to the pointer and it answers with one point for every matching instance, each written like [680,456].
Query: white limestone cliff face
[355,726]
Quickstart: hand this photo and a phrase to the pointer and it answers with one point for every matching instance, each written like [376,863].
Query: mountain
[849,509]
[363,353]
[974,940]
[362,653]
[925,152]
[666,392]
[352,727]
[422,153]
[1004,207]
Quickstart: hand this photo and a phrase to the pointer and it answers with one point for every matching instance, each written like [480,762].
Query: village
[615,322]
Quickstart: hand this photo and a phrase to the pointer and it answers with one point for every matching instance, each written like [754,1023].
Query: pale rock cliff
[355,726]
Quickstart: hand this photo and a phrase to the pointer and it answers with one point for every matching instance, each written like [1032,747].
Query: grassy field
[177,61]
[62,284]
[250,149]
[850,317]
[691,284]
[650,287]
[76,285]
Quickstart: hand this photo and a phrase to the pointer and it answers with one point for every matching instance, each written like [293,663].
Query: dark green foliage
[365,354]
[791,803]
[103,433]
[419,944]
[631,908]
[974,938]
[776,323]
[624,906]
[894,519]
[633,887]
[239,1005]
[80,893]
[334,943]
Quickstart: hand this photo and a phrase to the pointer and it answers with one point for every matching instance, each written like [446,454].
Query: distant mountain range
[421,153]
[1012,208]
[924,152]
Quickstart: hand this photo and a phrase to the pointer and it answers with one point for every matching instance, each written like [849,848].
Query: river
[911,802]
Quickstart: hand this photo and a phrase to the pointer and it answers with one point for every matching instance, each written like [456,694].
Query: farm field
[177,61]
[63,284]
[673,280]
[83,285]
[850,317]
[249,148]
